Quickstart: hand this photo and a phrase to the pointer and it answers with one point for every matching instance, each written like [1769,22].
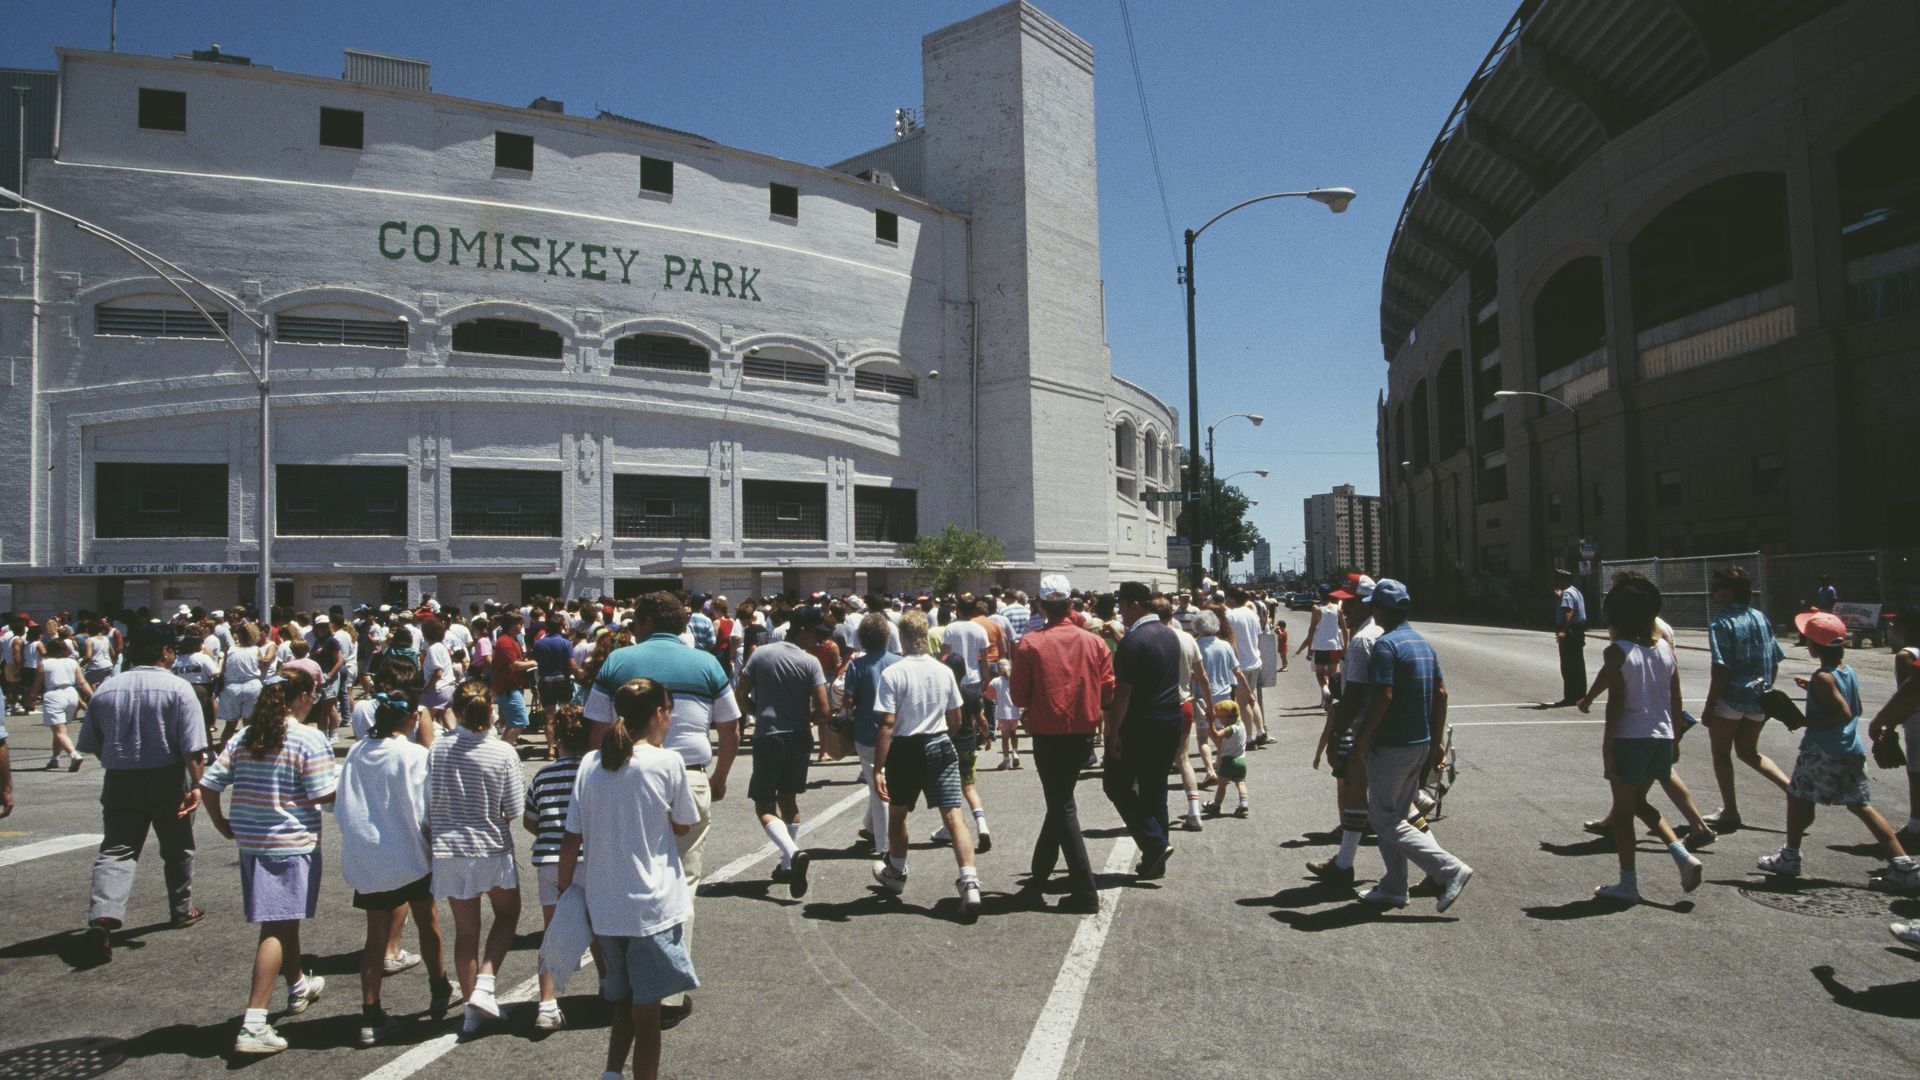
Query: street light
[1334,199]
[154,265]
[1213,508]
[1579,470]
[1213,488]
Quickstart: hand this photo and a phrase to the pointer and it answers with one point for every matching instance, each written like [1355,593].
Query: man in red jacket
[1062,678]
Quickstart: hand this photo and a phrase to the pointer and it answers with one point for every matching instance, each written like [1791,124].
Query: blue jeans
[1135,779]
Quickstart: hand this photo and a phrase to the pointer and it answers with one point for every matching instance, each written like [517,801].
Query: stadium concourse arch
[1698,224]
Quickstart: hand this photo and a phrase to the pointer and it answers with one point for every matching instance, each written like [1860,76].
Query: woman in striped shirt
[475,790]
[281,772]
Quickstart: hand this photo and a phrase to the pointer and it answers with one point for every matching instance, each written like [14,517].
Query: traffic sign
[1170,496]
[1588,549]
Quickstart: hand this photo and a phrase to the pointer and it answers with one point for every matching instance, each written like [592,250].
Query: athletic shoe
[940,836]
[1154,867]
[1619,890]
[99,945]
[297,1003]
[1785,863]
[1453,888]
[442,996]
[1331,872]
[1086,903]
[73,763]
[1016,761]
[258,1040]
[1908,932]
[549,1021]
[1190,823]
[894,881]
[1691,872]
[969,890]
[369,1035]
[483,1003]
[1696,839]
[1896,879]
[1379,897]
[400,962]
[780,875]
[1723,822]
[1240,811]
[984,844]
[797,887]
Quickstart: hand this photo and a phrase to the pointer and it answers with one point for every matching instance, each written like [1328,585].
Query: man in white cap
[1062,679]
[1336,739]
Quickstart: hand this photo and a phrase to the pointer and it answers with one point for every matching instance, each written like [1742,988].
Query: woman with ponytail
[281,772]
[385,856]
[476,789]
[630,801]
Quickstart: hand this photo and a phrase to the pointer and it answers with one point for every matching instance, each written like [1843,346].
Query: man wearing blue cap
[1403,735]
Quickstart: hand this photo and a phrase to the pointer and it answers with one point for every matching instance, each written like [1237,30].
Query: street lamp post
[167,272]
[1213,505]
[1335,199]
[1213,488]
[1579,469]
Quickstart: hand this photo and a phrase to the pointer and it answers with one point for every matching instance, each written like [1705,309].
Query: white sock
[295,989]
[1243,800]
[1349,847]
[980,820]
[793,831]
[255,1018]
[1902,862]
[899,864]
[1679,852]
[549,1008]
[1193,805]
[970,873]
[782,839]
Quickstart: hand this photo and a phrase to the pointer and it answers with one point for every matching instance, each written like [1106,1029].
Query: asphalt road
[1236,964]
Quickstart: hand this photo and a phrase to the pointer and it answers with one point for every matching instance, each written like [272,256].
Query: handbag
[1778,706]
[1886,750]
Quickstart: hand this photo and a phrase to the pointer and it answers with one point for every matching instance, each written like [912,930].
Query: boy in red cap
[1832,767]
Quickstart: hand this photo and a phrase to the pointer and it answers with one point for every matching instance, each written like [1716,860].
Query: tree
[952,555]
[1235,541]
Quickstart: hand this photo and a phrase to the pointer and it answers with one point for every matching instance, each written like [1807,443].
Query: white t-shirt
[1246,636]
[918,691]
[439,669]
[363,717]
[458,636]
[1003,706]
[1326,635]
[1646,676]
[634,883]
[1234,742]
[197,668]
[381,806]
[967,640]
[1360,653]
[243,665]
[59,672]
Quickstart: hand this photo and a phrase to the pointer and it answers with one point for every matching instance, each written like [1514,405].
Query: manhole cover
[62,1059]
[1825,900]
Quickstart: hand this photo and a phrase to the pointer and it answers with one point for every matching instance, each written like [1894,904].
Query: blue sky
[1246,97]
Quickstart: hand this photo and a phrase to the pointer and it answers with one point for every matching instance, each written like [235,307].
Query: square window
[886,226]
[1667,491]
[163,110]
[784,200]
[511,151]
[160,500]
[343,128]
[1553,508]
[300,504]
[383,506]
[657,508]
[656,175]
[1770,474]
[786,511]
[503,504]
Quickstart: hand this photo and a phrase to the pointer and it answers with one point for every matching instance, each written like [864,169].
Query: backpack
[722,647]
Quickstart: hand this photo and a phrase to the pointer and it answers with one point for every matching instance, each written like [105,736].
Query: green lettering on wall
[499,249]
[387,227]
[675,265]
[626,263]
[694,275]
[747,291]
[529,249]
[722,277]
[432,233]
[589,253]
[557,256]
[478,247]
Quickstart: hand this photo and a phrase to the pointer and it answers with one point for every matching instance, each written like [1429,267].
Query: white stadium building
[518,351]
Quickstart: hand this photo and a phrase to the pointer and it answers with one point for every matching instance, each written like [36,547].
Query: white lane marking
[1500,705]
[42,848]
[435,1048]
[747,862]
[1522,723]
[1052,1036]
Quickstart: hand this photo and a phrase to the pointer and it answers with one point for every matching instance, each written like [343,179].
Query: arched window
[884,378]
[1451,390]
[1569,316]
[1725,241]
[1153,455]
[1421,432]
[340,324]
[662,352]
[1879,174]
[782,365]
[1124,440]
[507,337]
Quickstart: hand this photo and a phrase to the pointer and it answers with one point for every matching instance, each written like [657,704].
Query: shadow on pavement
[1354,914]
[1870,849]
[1302,896]
[1899,1000]
[1599,905]
[1593,845]
[748,890]
[71,947]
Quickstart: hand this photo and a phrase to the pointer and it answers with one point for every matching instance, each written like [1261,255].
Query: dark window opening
[663,352]
[1879,194]
[781,510]
[507,337]
[1554,512]
[887,515]
[506,502]
[1493,484]
[1451,389]
[307,330]
[784,200]
[158,322]
[886,226]
[656,175]
[1770,474]
[783,369]
[1599,502]
[883,382]
[1667,488]
[163,110]
[340,500]
[343,127]
[1722,242]
[660,507]
[1570,316]
[511,151]
[143,501]
[1422,432]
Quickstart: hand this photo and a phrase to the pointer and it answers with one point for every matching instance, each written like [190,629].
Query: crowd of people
[645,706]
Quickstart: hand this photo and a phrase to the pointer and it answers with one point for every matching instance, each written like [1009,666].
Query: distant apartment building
[1343,529]
[1262,561]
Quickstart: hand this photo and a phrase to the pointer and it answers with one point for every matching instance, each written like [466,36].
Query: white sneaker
[258,1040]
[297,1003]
[550,1020]
[369,1036]
[941,836]
[1381,898]
[895,881]
[1619,890]
[1908,932]
[400,962]
[484,1003]
[1691,873]
[1454,886]
[969,890]
[1897,879]
[1784,863]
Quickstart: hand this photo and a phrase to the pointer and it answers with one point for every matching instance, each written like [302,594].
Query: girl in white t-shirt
[1006,715]
[61,689]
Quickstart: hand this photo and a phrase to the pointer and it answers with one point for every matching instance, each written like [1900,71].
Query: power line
[1153,146]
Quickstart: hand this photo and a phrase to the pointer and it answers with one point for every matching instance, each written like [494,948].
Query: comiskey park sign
[518,253]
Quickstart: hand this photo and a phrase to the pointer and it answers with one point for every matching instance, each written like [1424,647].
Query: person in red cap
[1832,767]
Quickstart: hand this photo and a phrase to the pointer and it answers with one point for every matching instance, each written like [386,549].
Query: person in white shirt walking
[1246,643]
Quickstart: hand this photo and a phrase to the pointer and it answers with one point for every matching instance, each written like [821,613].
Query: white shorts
[548,876]
[465,877]
[59,706]
[236,701]
[1724,711]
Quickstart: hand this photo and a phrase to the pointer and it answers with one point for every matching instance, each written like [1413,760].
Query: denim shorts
[513,707]
[643,970]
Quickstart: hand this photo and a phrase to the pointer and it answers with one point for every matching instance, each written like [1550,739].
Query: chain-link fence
[1686,584]
[1782,584]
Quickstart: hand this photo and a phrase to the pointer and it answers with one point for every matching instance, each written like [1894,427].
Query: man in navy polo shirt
[1403,735]
[1143,725]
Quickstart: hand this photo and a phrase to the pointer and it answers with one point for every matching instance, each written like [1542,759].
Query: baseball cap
[806,618]
[318,619]
[1055,587]
[1389,593]
[1821,627]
